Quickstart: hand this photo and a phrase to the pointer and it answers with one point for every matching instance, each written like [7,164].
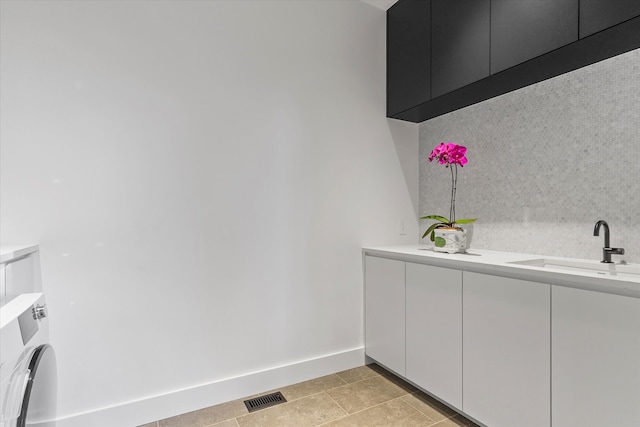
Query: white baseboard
[135,413]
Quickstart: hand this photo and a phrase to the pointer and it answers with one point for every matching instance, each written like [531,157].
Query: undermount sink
[598,268]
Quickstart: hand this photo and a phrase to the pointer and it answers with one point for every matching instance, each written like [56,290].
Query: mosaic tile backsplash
[545,163]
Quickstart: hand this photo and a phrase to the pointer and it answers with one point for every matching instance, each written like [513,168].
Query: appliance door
[40,395]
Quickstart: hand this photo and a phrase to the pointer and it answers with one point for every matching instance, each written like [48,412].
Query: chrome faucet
[607,251]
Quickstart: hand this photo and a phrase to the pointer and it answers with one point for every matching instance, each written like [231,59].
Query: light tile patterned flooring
[367,396]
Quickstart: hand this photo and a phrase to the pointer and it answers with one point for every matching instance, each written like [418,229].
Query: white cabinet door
[595,359]
[506,351]
[385,312]
[434,330]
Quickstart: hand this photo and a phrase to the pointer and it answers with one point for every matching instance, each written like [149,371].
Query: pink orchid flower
[448,153]
[438,152]
[457,155]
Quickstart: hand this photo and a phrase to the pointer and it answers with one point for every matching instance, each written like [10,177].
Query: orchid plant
[451,155]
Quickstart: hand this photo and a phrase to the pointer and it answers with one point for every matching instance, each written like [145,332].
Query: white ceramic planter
[450,240]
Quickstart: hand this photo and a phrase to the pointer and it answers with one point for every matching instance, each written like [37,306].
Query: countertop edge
[12,252]
[498,264]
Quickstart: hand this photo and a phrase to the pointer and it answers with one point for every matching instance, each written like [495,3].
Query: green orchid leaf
[440,242]
[436,217]
[431,228]
[465,221]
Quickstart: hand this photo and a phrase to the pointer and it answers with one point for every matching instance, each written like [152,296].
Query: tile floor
[367,396]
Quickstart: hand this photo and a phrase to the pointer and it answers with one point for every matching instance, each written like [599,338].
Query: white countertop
[16,307]
[9,252]
[499,264]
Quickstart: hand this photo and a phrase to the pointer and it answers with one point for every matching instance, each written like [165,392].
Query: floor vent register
[264,401]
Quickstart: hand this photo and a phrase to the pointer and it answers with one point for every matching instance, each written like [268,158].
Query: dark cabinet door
[524,29]
[408,55]
[597,15]
[460,37]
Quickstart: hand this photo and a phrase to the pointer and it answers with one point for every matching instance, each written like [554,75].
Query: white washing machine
[28,369]
[28,375]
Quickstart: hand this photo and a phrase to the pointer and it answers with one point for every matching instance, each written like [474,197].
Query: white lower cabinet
[506,351]
[385,312]
[595,359]
[434,330]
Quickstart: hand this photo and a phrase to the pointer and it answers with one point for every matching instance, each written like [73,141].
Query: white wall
[201,177]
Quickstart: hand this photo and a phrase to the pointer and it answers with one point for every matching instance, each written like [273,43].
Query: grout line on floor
[373,406]
[339,405]
[340,378]
[375,374]
[359,381]
[446,417]
[346,380]
[224,421]
[282,389]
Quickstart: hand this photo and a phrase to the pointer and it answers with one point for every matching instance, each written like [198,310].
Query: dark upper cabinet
[408,55]
[524,29]
[438,59]
[460,39]
[597,15]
